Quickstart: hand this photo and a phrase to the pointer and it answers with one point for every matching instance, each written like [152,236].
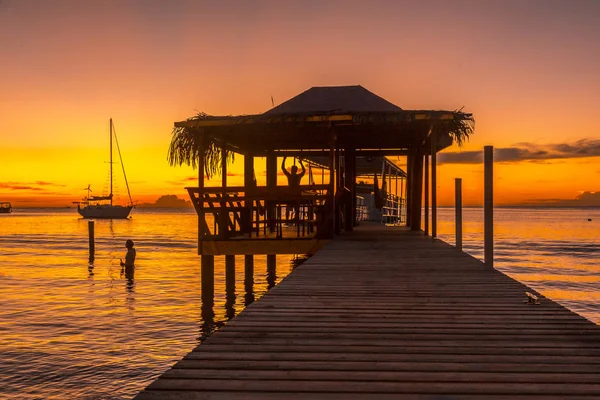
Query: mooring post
[229,273]
[488,205]
[458,211]
[207,279]
[433,184]
[249,278]
[426,195]
[271,270]
[91,240]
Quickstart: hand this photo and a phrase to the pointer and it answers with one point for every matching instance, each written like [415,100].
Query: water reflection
[207,315]
[249,291]
[129,271]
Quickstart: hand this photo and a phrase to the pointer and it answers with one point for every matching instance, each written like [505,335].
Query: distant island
[167,201]
[585,199]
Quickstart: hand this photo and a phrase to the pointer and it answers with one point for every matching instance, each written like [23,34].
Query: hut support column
[488,205]
[223,212]
[271,183]
[332,181]
[248,184]
[426,184]
[271,270]
[249,278]
[207,280]
[229,275]
[201,215]
[417,190]
[433,184]
[409,181]
[350,159]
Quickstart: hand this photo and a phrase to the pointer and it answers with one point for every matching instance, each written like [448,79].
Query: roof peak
[334,99]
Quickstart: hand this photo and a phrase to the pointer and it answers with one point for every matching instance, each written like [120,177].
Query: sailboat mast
[111,164]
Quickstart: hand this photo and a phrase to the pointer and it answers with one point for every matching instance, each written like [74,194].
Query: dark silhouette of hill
[585,199]
[168,201]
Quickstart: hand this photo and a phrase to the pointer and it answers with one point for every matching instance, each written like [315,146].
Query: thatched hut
[343,127]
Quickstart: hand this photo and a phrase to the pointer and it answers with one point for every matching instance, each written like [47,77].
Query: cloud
[585,199]
[36,186]
[527,152]
[16,186]
[43,183]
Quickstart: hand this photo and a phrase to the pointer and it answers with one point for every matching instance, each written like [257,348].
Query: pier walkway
[384,313]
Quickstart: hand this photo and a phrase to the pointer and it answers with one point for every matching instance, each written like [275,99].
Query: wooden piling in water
[426,195]
[249,278]
[458,212]
[433,184]
[488,205]
[91,240]
[229,272]
[207,278]
[271,270]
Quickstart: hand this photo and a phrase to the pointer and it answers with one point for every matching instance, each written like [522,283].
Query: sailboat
[102,206]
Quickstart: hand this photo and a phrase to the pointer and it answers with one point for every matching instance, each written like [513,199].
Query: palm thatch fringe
[460,128]
[185,148]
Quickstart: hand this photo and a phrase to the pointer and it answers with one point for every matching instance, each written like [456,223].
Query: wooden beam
[409,179]
[201,215]
[488,205]
[434,184]
[357,152]
[426,185]
[350,183]
[261,246]
[417,190]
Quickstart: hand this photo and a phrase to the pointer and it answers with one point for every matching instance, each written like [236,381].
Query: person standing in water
[129,263]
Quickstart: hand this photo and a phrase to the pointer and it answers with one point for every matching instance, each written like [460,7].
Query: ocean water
[74,330]
[70,329]
[553,250]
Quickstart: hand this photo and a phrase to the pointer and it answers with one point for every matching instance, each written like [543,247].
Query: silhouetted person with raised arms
[294,179]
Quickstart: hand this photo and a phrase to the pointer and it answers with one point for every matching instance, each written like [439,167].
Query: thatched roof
[334,99]
[351,116]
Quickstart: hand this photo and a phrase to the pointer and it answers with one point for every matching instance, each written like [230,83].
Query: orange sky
[527,70]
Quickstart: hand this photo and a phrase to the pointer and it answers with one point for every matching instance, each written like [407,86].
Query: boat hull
[5,210]
[104,212]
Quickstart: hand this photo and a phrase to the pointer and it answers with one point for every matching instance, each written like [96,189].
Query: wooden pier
[387,313]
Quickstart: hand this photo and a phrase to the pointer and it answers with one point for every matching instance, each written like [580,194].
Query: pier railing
[393,210]
[261,212]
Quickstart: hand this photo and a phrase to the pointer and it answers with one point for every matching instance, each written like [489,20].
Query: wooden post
[417,190]
[488,205]
[433,184]
[271,183]
[207,279]
[397,195]
[271,270]
[409,179]
[332,180]
[223,212]
[349,182]
[91,238]
[458,212]
[201,215]
[249,184]
[249,278]
[229,273]
[426,184]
